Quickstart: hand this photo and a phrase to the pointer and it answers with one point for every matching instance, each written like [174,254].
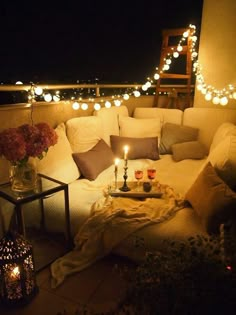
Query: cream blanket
[111,221]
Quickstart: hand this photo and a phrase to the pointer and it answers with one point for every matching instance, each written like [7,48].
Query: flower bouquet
[19,145]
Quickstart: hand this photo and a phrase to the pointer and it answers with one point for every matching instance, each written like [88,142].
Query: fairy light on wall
[210,93]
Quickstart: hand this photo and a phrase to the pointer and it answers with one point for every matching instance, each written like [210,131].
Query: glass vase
[23,177]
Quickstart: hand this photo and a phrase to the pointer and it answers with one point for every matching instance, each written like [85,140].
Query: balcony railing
[17,94]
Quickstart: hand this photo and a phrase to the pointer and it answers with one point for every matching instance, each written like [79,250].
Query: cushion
[224,130]
[223,158]
[58,162]
[109,117]
[139,148]
[173,133]
[139,128]
[94,161]
[84,132]
[188,150]
[211,198]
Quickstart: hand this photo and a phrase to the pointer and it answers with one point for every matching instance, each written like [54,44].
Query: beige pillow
[84,132]
[173,133]
[94,161]
[212,199]
[224,130]
[139,148]
[139,128]
[58,163]
[223,158]
[188,150]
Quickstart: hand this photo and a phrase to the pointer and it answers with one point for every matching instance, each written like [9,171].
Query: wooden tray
[133,193]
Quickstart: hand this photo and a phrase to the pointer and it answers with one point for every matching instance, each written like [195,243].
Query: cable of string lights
[210,93]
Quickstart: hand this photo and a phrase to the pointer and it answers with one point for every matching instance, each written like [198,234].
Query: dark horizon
[81,41]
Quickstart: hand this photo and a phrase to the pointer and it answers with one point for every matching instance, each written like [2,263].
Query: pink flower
[18,144]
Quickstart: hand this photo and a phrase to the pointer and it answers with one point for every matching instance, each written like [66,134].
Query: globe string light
[210,93]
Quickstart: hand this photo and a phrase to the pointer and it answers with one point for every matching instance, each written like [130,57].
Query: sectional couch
[185,148]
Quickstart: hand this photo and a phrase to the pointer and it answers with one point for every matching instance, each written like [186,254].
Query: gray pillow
[139,148]
[188,150]
[94,161]
[173,133]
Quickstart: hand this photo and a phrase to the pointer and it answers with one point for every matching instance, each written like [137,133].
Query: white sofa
[80,135]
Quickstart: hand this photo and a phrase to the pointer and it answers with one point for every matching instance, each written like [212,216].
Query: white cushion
[226,129]
[84,132]
[59,163]
[223,158]
[139,128]
[109,117]
[165,114]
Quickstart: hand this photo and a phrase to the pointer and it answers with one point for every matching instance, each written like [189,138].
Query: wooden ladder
[184,79]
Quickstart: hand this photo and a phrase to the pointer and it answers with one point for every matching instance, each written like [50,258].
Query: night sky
[114,41]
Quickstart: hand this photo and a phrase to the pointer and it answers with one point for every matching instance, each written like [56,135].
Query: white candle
[117,161]
[126,150]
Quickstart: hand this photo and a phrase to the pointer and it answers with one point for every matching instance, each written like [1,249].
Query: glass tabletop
[44,185]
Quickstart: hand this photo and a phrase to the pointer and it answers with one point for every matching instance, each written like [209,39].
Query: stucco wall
[217,48]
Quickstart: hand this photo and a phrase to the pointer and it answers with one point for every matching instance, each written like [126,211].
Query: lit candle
[15,273]
[116,164]
[126,149]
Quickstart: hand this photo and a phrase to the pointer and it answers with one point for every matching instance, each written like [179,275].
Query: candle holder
[125,187]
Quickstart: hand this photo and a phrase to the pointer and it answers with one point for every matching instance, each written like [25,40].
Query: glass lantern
[17,271]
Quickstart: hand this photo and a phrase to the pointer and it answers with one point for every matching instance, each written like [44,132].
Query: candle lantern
[17,273]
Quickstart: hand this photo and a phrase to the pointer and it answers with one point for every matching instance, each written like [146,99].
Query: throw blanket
[111,221]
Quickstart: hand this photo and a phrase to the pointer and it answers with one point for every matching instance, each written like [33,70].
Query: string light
[209,92]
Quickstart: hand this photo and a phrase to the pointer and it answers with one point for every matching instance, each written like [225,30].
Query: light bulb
[208,96]
[117,103]
[97,106]
[179,48]
[126,96]
[144,87]
[136,93]
[223,101]
[84,106]
[56,98]
[38,90]
[166,67]
[216,100]
[75,105]
[48,97]
[107,104]
[175,54]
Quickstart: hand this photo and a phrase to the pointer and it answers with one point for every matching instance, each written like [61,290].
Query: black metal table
[46,186]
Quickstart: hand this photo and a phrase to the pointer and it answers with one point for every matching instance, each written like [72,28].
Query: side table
[46,186]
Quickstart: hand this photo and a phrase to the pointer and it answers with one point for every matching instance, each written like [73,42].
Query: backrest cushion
[164,114]
[224,130]
[84,132]
[139,128]
[58,162]
[109,118]
[207,120]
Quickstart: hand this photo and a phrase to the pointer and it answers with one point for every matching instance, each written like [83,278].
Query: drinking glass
[151,173]
[138,175]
